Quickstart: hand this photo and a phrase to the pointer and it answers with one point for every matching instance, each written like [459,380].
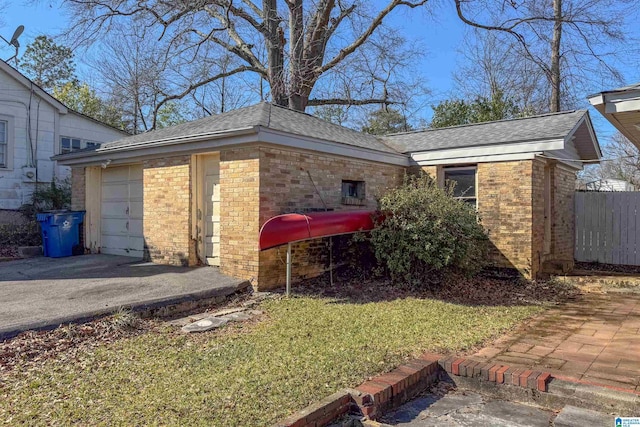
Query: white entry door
[121,211]
[209,209]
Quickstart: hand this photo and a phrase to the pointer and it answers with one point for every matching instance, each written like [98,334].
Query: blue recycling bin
[60,232]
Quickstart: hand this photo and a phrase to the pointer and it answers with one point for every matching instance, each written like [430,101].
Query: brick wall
[505,208]
[285,187]
[537,214]
[431,170]
[78,189]
[240,212]
[563,226]
[167,210]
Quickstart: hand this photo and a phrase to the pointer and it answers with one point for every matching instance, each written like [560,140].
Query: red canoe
[287,228]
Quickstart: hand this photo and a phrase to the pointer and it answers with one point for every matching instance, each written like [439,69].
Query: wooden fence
[608,227]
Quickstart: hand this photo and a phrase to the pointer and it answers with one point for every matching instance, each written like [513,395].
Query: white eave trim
[275,137]
[596,99]
[479,159]
[215,141]
[617,102]
[161,148]
[514,150]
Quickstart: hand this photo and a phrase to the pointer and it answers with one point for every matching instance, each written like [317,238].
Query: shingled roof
[263,115]
[534,128]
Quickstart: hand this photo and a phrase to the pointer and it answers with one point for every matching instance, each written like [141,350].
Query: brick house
[198,192]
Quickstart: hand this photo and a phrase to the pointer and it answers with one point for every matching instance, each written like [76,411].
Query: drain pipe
[288,291]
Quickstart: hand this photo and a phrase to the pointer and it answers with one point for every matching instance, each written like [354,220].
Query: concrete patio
[45,292]
[595,339]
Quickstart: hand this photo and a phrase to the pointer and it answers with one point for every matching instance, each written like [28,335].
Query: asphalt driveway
[43,292]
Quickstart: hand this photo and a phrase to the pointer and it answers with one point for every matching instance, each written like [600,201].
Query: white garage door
[121,215]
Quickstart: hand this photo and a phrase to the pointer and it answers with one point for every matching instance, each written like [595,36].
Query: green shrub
[48,196]
[422,230]
[27,234]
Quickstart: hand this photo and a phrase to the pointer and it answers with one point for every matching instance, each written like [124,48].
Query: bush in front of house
[421,231]
[55,195]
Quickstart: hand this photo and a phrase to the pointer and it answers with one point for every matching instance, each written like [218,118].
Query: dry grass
[248,374]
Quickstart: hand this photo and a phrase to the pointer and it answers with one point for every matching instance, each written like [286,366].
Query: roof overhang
[194,144]
[622,109]
[578,146]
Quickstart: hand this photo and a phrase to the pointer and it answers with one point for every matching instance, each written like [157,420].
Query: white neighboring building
[610,185]
[34,126]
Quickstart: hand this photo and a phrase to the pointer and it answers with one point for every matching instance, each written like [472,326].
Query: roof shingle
[263,114]
[547,126]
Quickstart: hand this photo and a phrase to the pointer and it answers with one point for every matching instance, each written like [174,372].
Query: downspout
[36,140]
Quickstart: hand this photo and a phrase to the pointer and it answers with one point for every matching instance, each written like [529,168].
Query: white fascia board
[137,153]
[489,150]
[622,106]
[596,99]
[573,164]
[479,159]
[285,139]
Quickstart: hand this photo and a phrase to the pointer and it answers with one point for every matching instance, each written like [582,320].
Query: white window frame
[9,120]
[474,168]
[83,144]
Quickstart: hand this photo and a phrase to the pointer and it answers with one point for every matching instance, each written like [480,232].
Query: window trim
[8,166]
[462,168]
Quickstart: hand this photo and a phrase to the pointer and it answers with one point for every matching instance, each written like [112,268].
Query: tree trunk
[554,106]
[275,52]
[296,62]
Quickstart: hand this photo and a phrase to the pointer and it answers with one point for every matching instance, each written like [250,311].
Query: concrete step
[572,416]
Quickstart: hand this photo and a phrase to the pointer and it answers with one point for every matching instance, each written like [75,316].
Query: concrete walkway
[467,408]
[45,292]
[595,339]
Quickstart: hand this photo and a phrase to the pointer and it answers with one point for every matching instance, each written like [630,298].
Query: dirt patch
[594,267]
[9,251]
[481,289]
[68,341]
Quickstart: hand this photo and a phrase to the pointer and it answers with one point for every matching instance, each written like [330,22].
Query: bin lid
[41,217]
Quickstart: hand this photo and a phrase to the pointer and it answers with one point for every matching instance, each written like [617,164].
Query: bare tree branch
[377,21]
[338,101]
[194,86]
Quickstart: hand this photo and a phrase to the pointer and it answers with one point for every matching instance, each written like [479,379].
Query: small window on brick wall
[353,192]
[465,183]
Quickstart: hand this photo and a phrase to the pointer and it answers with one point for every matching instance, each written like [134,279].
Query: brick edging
[389,390]
[371,398]
[496,373]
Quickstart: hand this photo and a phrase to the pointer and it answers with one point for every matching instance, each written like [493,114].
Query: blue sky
[439,34]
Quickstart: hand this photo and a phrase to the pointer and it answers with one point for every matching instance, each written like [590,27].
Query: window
[67,144]
[4,143]
[464,181]
[353,192]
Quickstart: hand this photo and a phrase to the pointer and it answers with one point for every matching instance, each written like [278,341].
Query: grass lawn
[252,374]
